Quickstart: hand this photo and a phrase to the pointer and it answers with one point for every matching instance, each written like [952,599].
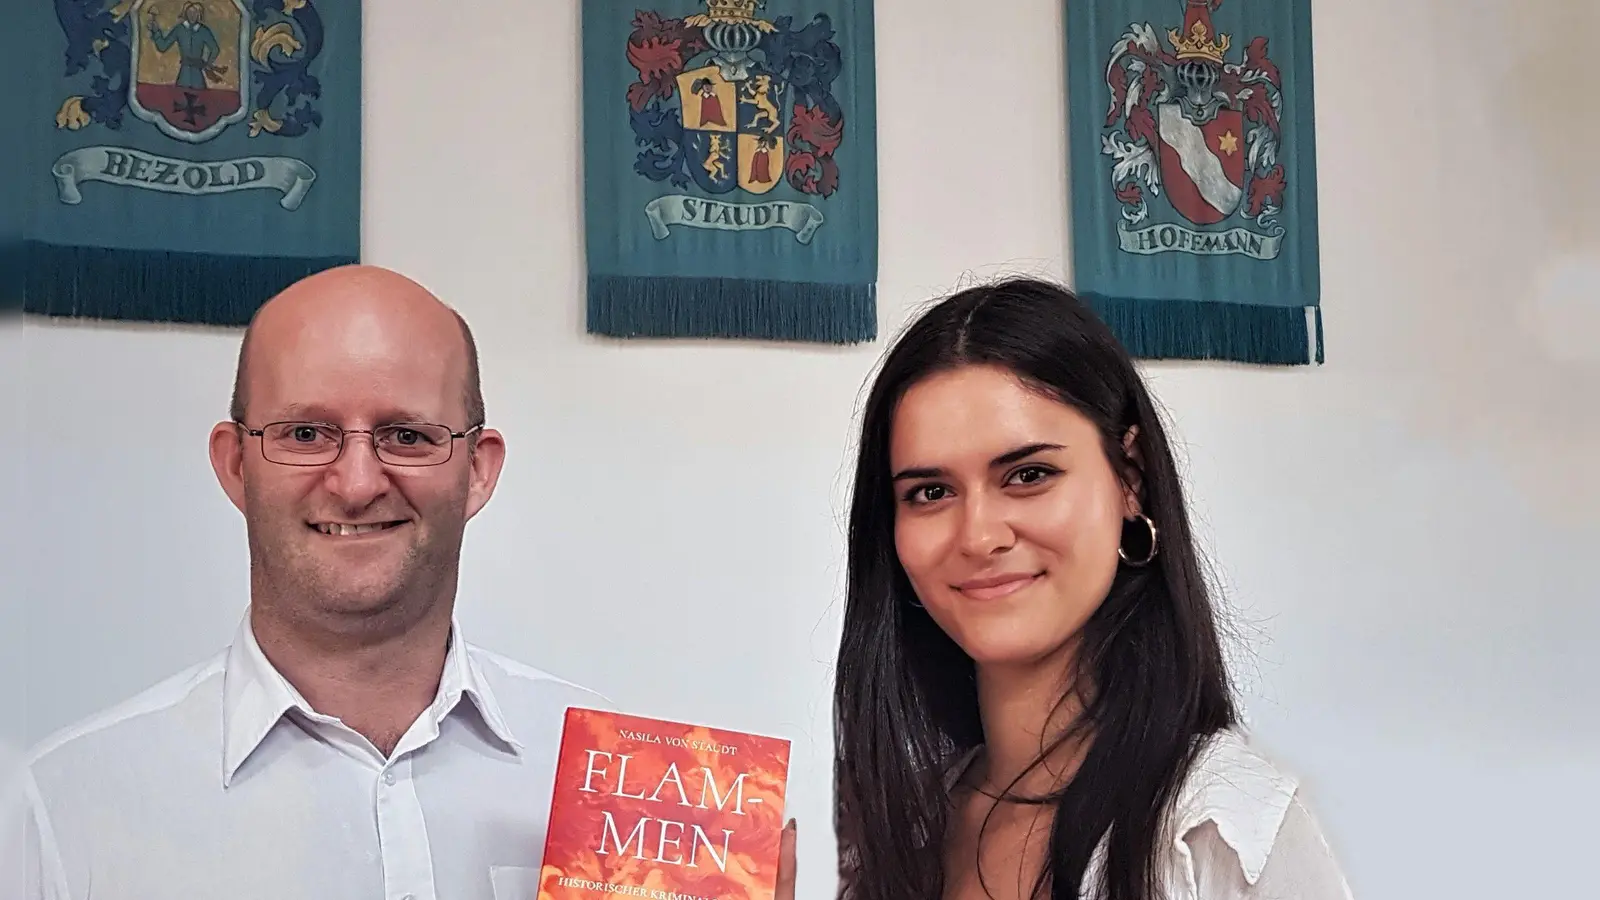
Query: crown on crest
[732,10]
[1199,45]
[1197,39]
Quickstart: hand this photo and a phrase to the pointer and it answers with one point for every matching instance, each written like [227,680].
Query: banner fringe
[12,254]
[1195,330]
[677,307]
[157,285]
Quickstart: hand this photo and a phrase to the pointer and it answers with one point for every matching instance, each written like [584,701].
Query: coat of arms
[192,70]
[735,105]
[185,77]
[1201,129]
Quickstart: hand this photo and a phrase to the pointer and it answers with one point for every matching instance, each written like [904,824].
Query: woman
[1031,699]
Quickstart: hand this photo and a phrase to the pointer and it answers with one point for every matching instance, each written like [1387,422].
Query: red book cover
[663,810]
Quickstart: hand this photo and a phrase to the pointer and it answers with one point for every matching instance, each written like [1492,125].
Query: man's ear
[486,457]
[1133,480]
[227,460]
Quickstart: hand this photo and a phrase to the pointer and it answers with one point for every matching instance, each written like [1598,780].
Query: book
[663,810]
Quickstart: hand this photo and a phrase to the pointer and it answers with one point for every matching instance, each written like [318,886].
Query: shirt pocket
[514,882]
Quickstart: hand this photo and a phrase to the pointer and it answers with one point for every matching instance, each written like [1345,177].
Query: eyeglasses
[318,443]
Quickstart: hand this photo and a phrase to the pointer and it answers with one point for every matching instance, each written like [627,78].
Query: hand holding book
[785,886]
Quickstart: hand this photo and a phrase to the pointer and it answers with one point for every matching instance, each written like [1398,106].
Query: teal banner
[187,159]
[730,169]
[1193,176]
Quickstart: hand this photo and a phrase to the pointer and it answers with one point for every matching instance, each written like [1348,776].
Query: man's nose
[358,476]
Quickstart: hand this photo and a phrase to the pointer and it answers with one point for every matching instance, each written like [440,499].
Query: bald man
[348,744]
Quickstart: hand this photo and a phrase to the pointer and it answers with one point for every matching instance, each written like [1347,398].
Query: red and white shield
[1202,166]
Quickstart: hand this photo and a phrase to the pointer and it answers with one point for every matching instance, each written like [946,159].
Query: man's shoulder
[512,678]
[122,726]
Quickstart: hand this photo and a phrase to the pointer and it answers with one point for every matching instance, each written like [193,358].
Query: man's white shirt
[223,782]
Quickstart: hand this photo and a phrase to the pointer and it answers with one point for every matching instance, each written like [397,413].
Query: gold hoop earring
[1150,554]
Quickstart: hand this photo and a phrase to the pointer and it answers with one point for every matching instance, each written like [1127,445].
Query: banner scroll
[188,159]
[1193,176]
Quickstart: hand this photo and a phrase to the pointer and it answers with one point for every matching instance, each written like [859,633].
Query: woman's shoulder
[1237,788]
[1243,828]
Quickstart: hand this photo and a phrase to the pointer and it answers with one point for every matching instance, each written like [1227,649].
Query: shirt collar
[256,696]
[1242,793]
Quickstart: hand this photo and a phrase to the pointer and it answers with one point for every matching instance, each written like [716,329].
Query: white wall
[1409,531]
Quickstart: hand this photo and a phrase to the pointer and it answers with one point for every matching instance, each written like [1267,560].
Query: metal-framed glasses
[318,443]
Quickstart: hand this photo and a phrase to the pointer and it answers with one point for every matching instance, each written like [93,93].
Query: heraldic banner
[15,105]
[1193,176]
[730,168]
[187,159]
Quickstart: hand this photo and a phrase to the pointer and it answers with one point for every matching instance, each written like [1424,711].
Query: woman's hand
[785,889]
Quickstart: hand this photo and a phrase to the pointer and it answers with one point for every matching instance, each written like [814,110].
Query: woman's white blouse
[1243,832]
[1240,831]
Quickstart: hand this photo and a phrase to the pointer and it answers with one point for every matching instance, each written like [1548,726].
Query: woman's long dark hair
[1150,671]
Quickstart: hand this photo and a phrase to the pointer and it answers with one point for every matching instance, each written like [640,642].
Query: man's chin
[373,578]
[363,609]
[357,590]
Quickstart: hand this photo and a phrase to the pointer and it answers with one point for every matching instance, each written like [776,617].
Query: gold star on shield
[1228,143]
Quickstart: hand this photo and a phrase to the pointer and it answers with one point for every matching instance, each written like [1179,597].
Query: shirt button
[388,778]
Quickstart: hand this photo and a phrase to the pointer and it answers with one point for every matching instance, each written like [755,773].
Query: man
[197,46]
[348,745]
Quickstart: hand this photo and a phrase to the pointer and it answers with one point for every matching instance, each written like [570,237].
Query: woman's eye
[1032,474]
[926,493]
